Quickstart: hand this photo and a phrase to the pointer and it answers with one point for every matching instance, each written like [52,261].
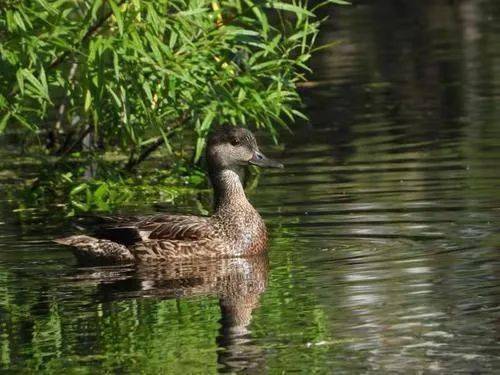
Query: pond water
[384,225]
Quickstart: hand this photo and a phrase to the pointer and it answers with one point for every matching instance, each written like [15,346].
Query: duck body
[235,230]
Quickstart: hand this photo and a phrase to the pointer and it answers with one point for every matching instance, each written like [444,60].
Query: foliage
[133,74]
[62,188]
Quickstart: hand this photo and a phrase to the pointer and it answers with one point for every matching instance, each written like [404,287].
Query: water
[384,226]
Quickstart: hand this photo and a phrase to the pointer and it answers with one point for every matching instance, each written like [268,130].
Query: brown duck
[235,229]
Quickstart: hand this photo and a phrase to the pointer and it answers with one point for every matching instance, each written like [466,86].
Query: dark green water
[385,230]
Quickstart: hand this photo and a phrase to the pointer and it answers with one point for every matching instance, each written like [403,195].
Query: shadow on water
[384,227]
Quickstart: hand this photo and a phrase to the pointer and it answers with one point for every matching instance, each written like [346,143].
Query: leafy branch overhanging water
[81,82]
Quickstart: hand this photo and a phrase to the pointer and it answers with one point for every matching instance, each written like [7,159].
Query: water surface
[385,230]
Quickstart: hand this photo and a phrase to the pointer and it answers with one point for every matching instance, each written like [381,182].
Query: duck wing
[176,227]
[159,227]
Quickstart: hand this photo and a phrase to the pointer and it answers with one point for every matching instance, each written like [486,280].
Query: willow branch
[90,32]
[67,150]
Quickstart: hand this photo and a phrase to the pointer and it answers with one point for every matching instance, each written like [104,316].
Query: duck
[235,228]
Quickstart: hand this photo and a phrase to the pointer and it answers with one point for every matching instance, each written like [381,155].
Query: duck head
[234,147]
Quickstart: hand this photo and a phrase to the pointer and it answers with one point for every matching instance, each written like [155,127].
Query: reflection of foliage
[145,336]
[55,327]
[290,313]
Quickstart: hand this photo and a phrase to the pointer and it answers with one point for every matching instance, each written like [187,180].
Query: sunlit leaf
[3,121]
[291,8]
[118,15]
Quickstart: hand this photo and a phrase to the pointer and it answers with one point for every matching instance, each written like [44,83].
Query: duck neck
[229,194]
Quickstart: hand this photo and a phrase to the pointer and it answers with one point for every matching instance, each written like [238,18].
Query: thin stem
[58,125]
[65,151]
[133,162]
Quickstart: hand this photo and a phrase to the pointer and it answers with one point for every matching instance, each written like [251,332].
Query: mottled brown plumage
[235,230]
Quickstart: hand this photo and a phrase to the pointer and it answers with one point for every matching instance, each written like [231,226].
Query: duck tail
[90,250]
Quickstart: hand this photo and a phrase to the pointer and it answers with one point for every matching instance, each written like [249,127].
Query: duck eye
[235,142]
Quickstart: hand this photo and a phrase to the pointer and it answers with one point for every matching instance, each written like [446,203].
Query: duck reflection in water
[236,282]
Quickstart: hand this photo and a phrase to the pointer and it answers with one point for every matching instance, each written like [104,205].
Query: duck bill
[260,160]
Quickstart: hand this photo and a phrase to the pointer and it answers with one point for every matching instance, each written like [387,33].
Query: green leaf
[36,84]
[80,206]
[191,12]
[291,8]
[115,97]
[19,21]
[96,5]
[43,82]
[88,101]
[300,114]
[20,80]
[78,189]
[261,16]
[339,2]
[231,30]
[23,121]
[116,65]
[118,15]
[3,122]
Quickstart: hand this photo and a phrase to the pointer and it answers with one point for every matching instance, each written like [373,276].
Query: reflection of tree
[395,59]
[416,78]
